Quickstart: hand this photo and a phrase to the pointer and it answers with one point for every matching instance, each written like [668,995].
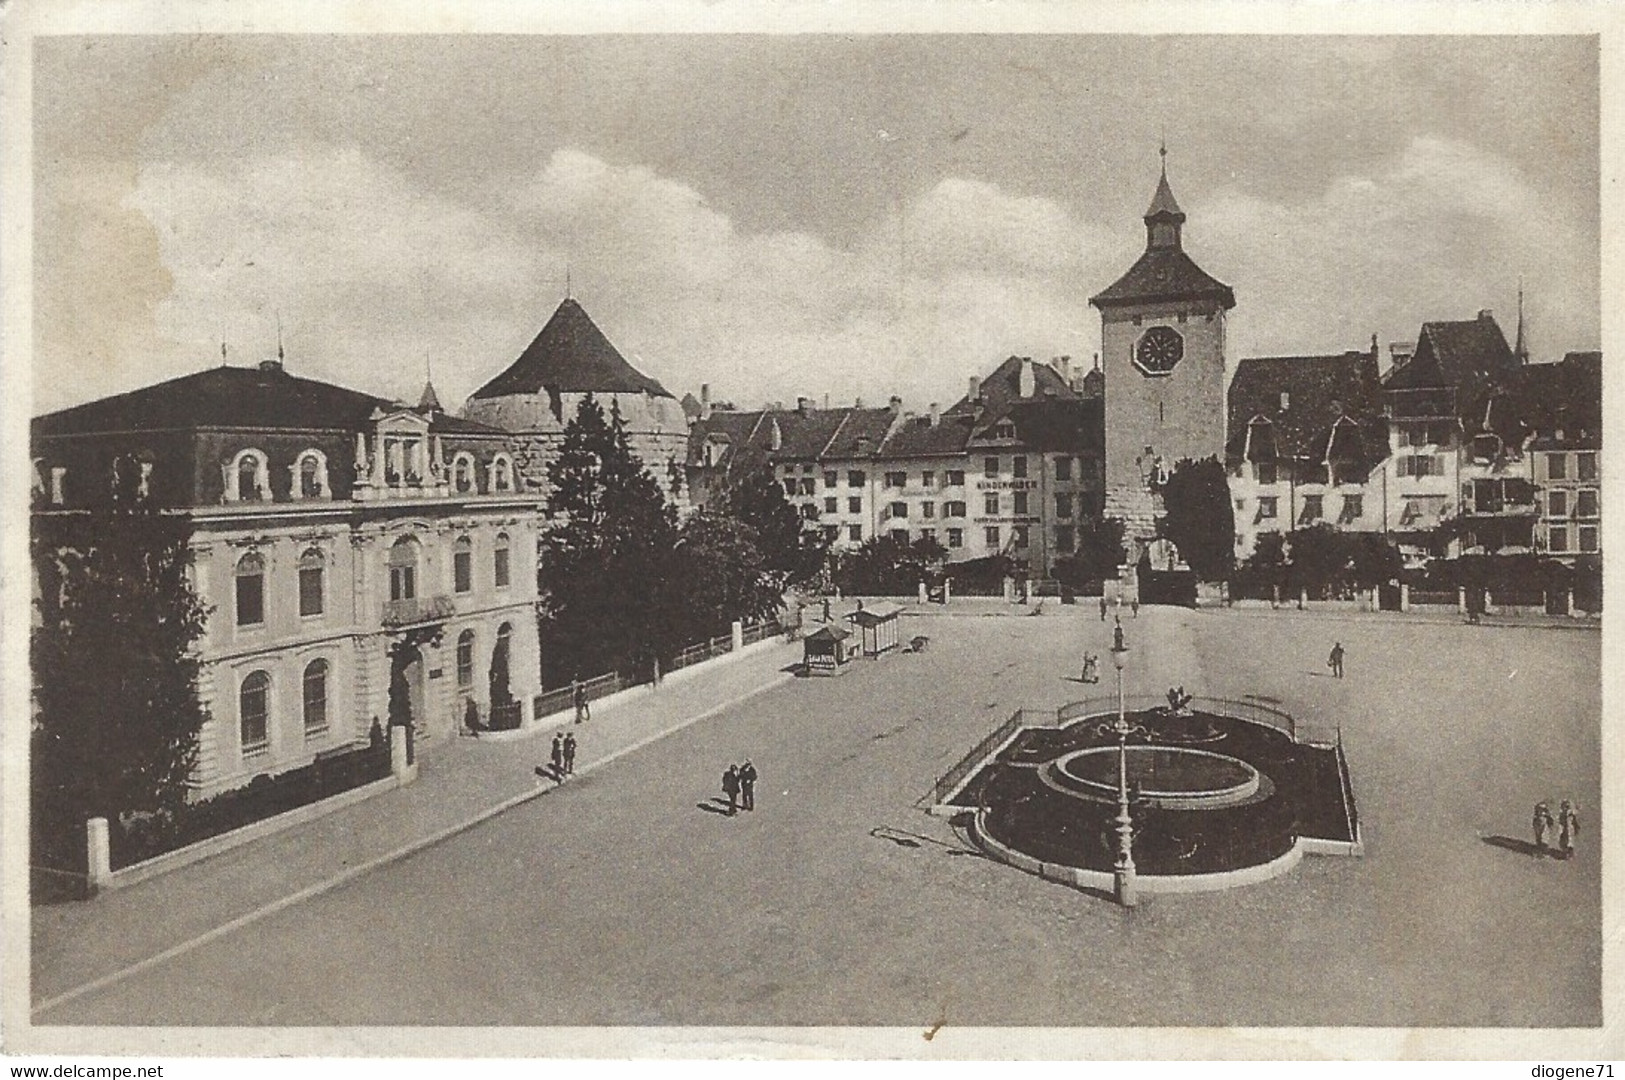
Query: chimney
[1401,352]
[975,390]
[1486,314]
[705,393]
[776,435]
[826,399]
[895,404]
[803,404]
[778,406]
[1063,367]
[857,403]
[1027,379]
[936,414]
[271,365]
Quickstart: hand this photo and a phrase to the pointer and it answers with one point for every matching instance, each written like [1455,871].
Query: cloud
[1438,231]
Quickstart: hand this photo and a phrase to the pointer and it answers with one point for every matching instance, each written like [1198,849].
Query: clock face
[1159,350]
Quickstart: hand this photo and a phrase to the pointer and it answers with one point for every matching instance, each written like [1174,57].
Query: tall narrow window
[465,659]
[250,590]
[253,711]
[403,569]
[310,583]
[248,478]
[316,698]
[462,565]
[501,564]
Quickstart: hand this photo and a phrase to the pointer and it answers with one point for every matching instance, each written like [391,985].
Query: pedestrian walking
[558,757]
[1568,823]
[569,754]
[1335,660]
[579,696]
[1102,607]
[730,788]
[747,785]
[1543,827]
[1134,607]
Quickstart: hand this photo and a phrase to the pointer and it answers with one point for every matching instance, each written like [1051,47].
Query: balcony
[417,611]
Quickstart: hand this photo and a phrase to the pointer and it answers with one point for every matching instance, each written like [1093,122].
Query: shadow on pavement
[1522,847]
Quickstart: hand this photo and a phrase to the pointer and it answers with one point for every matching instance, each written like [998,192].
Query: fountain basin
[1169,777]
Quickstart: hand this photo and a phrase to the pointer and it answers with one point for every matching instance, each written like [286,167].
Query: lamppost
[1123,871]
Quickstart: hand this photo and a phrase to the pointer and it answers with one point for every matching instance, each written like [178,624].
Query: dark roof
[1461,355]
[917,437]
[1003,386]
[1163,202]
[861,433]
[234,397]
[1541,400]
[1057,425]
[692,407]
[1161,274]
[571,355]
[1319,390]
[804,434]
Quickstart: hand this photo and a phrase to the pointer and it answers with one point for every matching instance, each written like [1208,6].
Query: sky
[838,215]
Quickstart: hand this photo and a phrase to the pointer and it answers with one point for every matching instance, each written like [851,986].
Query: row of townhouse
[1011,469]
[1462,446]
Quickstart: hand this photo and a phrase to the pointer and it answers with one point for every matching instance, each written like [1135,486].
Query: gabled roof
[804,434]
[1460,355]
[1318,391]
[917,437]
[860,434]
[1163,274]
[1003,385]
[235,397]
[571,355]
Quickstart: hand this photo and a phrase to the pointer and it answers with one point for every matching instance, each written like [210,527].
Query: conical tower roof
[571,355]
[430,401]
[1163,202]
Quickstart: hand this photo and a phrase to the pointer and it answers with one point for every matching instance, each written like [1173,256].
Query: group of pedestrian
[564,756]
[1567,826]
[1091,667]
[739,784]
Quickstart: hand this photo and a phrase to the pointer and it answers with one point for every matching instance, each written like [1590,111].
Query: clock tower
[1162,353]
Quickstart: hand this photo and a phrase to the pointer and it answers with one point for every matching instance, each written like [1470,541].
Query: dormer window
[501,473]
[59,485]
[462,473]
[248,477]
[310,475]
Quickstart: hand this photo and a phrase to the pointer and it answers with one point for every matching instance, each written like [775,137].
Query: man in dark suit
[730,788]
[747,785]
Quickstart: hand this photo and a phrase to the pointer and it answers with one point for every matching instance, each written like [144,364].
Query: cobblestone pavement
[626,897]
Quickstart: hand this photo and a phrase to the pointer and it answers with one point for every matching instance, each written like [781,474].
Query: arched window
[310,475]
[462,565]
[253,711]
[248,478]
[403,569]
[311,600]
[315,698]
[501,473]
[465,660]
[501,565]
[462,473]
[250,590]
[129,479]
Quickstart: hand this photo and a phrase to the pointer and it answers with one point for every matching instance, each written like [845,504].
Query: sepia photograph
[582,531]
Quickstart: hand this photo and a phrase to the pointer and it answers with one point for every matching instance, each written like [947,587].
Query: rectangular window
[854,505]
[831,533]
[1405,465]
[1019,533]
[928,534]
[1588,539]
[928,510]
[1587,465]
[1585,503]
[1063,469]
[1021,502]
[502,574]
[896,479]
[990,503]
[1557,504]
[1019,466]
[831,479]
[992,536]
[1353,509]
[831,505]
[956,538]
[1063,539]
[1557,466]
[956,478]
[789,485]
[1311,510]
[462,571]
[310,590]
[807,485]
[1266,507]
[1266,472]
[855,533]
[953,509]
[928,480]
[899,510]
[990,466]
[1557,538]
[855,479]
[1063,505]
[900,535]
[250,599]
[403,583]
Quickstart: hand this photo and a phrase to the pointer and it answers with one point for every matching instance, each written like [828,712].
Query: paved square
[626,899]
